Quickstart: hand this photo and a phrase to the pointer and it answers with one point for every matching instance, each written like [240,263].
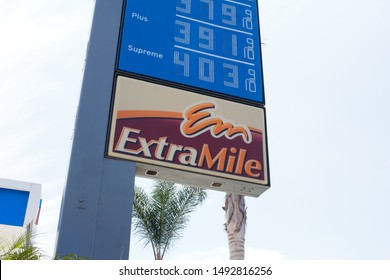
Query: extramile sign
[189,138]
[195,118]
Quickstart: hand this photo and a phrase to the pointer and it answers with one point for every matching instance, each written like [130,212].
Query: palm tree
[20,249]
[160,218]
[235,226]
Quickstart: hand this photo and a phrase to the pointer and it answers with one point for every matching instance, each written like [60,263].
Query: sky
[326,74]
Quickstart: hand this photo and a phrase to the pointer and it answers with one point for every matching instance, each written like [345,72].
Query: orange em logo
[199,118]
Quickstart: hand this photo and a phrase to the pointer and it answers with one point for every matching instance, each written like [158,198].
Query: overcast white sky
[326,74]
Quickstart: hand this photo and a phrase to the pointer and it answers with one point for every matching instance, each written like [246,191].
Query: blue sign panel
[13,205]
[211,45]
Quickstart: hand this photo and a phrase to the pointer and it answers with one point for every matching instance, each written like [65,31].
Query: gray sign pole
[95,219]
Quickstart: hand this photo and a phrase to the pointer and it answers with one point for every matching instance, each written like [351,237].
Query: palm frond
[185,202]
[20,249]
[159,219]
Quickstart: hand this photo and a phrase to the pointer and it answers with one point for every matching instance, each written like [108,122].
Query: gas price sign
[210,46]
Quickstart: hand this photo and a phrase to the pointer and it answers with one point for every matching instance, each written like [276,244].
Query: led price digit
[214,47]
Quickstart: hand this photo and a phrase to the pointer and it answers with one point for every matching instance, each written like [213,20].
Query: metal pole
[95,219]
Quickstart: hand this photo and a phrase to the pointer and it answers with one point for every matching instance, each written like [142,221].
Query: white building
[19,208]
